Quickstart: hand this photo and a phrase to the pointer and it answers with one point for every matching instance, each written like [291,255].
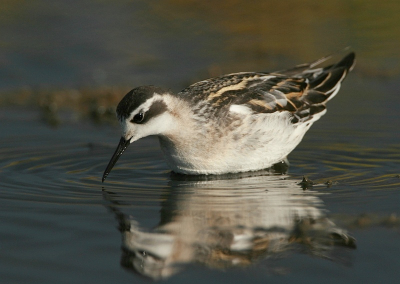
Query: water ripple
[72,172]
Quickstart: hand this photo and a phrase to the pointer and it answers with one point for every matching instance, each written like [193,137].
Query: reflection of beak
[123,144]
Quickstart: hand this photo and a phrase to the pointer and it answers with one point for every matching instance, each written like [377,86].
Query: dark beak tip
[123,144]
[105,175]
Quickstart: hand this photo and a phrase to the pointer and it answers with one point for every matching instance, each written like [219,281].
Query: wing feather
[302,91]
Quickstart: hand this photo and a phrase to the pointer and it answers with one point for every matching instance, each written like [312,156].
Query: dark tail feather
[323,85]
[328,79]
[347,62]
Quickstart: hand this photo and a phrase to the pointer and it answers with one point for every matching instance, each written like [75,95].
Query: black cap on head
[134,99]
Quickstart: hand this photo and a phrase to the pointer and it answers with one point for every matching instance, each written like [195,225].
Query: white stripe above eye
[240,109]
[144,107]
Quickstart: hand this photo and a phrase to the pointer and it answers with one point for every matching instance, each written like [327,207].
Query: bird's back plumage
[302,91]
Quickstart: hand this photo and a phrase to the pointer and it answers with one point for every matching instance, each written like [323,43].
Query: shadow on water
[233,221]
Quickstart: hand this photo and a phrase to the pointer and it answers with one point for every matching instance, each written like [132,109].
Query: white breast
[249,142]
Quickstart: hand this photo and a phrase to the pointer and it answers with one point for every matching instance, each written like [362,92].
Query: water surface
[60,222]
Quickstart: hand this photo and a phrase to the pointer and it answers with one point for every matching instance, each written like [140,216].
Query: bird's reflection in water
[227,222]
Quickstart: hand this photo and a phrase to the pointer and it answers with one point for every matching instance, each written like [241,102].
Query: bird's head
[142,112]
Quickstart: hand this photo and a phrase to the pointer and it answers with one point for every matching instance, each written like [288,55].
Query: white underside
[257,143]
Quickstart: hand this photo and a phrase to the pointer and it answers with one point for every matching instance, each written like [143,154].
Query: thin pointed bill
[123,144]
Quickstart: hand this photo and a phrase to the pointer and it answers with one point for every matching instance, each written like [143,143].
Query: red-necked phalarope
[234,123]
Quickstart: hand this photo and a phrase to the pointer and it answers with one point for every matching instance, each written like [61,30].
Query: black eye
[138,118]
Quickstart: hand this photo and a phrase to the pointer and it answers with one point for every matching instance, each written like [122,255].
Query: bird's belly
[221,164]
[230,154]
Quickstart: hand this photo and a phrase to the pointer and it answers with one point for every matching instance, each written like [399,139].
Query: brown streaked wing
[302,91]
